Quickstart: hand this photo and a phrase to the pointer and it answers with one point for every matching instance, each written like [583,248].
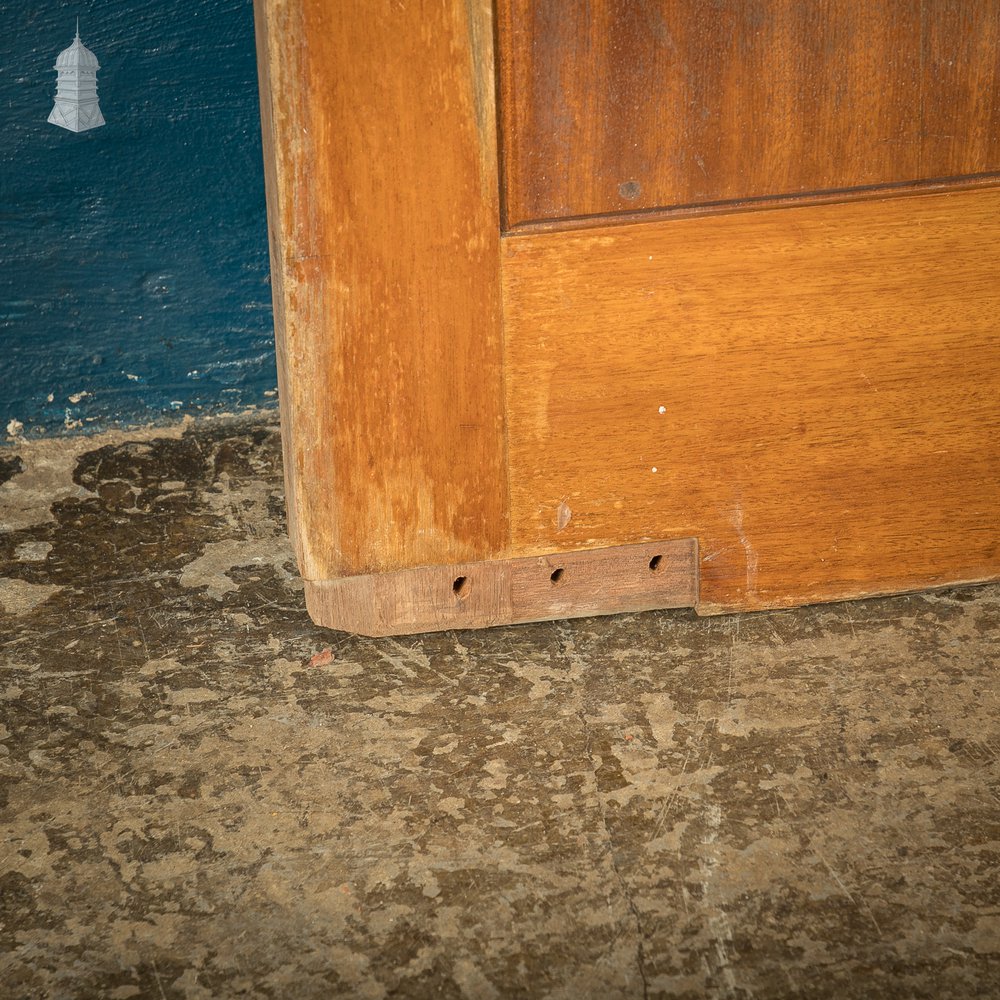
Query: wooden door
[586,307]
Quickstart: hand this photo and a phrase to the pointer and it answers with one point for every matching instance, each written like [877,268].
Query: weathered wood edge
[386,262]
[275,242]
[627,578]
[897,587]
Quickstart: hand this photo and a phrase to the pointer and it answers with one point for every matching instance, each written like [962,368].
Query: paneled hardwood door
[588,307]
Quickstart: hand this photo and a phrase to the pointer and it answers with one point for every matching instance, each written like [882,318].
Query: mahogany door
[607,305]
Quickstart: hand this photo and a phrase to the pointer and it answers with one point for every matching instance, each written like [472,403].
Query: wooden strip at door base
[643,577]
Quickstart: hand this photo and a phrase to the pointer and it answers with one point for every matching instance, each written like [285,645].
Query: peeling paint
[204,795]
[136,252]
[18,597]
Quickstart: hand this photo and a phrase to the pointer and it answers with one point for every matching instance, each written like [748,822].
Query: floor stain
[204,795]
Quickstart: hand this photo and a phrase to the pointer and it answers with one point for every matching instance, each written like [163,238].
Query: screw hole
[556,575]
[460,586]
[654,563]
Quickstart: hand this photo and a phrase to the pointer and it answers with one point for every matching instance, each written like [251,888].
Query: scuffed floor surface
[198,800]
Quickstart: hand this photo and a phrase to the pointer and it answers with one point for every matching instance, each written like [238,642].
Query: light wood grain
[624,105]
[812,393]
[380,140]
[662,574]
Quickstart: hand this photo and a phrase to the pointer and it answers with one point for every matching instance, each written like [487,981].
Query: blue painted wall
[133,258]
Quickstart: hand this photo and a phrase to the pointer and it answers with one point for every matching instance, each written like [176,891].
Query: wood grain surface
[628,105]
[960,113]
[812,393]
[661,574]
[380,138]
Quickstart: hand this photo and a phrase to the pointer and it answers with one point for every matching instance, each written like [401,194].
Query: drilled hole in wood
[654,563]
[556,575]
[460,586]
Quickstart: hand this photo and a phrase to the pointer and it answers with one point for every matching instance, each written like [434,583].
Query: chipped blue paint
[133,258]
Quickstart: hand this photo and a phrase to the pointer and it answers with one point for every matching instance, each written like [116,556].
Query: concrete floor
[204,795]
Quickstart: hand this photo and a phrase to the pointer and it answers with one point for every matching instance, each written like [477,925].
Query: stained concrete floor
[204,795]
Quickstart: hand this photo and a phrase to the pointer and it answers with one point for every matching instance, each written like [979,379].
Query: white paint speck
[50,398]
[131,377]
[15,428]
[77,396]
[563,515]
[663,409]
[654,469]
[751,554]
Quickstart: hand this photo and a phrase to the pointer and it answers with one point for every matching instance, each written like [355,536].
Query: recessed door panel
[619,106]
